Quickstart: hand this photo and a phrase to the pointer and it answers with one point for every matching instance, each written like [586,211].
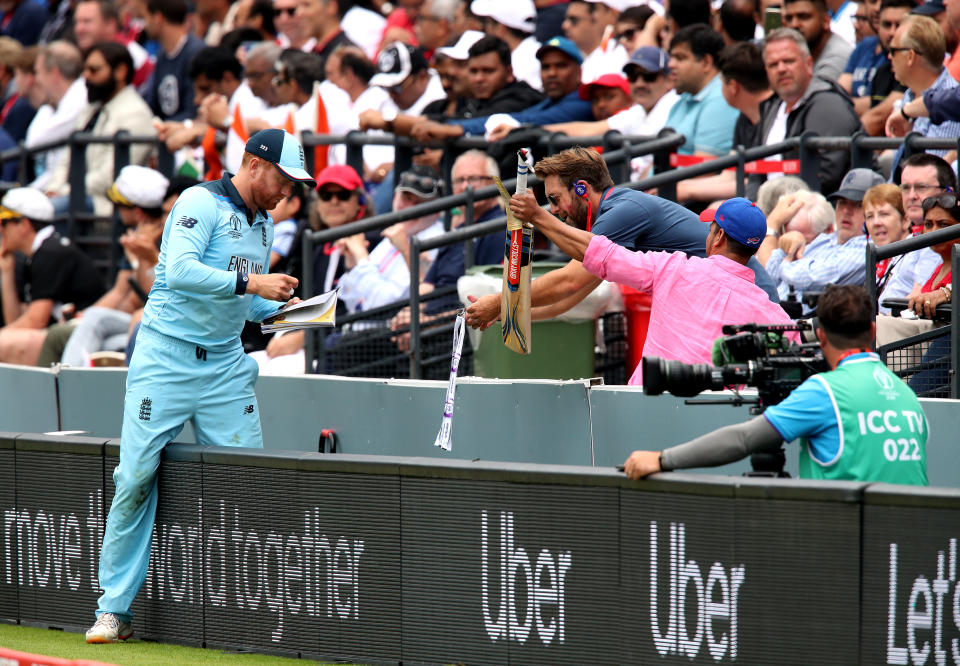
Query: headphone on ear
[580,188]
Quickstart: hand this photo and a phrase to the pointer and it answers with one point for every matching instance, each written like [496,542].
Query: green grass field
[131,653]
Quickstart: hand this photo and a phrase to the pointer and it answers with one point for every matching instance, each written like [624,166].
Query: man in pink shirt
[693,297]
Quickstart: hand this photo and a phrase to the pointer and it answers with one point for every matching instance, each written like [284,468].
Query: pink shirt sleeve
[615,263]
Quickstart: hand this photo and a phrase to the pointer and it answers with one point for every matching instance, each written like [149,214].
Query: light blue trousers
[169,383]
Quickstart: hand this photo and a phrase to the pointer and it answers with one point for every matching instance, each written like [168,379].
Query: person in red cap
[608,95]
[340,199]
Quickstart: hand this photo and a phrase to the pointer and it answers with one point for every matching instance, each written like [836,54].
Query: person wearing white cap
[188,363]
[514,21]
[56,273]
[138,194]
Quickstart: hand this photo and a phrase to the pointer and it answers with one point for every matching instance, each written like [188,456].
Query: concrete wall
[539,421]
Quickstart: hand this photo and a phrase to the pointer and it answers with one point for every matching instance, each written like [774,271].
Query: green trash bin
[561,350]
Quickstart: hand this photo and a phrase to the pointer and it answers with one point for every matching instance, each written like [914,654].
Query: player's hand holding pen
[272,286]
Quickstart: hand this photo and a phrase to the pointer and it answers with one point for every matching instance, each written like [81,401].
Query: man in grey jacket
[801,103]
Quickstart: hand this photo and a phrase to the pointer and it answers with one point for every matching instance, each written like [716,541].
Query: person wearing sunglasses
[652,93]
[939,212]
[630,25]
[916,57]
[580,192]
[381,276]
[340,199]
[292,33]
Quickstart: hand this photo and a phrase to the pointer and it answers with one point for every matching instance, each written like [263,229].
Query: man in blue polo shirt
[580,191]
[189,364]
[701,114]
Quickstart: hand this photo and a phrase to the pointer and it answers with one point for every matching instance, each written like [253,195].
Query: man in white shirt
[514,21]
[382,276]
[292,32]
[403,72]
[57,70]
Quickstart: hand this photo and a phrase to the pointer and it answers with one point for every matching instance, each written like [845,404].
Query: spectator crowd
[202,77]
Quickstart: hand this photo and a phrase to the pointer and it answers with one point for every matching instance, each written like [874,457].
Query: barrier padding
[419,560]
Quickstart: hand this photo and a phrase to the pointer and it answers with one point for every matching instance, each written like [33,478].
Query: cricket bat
[515,293]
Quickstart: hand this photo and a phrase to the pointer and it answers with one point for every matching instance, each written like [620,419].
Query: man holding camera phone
[857,422]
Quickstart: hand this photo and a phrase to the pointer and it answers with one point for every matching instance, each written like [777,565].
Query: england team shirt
[210,237]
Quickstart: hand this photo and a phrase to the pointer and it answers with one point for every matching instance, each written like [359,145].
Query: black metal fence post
[402,157]
[306,136]
[416,356]
[954,321]
[468,217]
[306,291]
[354,151]
[809,161]
[164,160]
[77,180]
[611,140]
[741,172]
[860,157]
[121,158]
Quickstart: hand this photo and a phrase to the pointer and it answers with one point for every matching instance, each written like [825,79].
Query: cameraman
[857,422]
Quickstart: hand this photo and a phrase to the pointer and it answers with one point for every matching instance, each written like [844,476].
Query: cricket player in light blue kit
[188,363]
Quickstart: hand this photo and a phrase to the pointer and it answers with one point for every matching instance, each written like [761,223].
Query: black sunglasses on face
[341,195]
[280,11]
[648,77]
[627,34]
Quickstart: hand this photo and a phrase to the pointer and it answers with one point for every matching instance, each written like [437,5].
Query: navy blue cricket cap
[284,151]
[740,219]
[930,8]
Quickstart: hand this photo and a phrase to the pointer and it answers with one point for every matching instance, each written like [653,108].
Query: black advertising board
[372,559]
[497,572]
[911,599]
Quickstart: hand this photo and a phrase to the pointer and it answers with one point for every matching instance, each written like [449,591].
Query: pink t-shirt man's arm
[692,297]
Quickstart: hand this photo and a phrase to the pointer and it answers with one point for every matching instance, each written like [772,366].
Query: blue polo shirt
[209,237]
[705,119]
[568,108]
[862,65]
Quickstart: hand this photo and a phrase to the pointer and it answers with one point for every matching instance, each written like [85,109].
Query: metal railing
[76,145]
[660,147]
[618,151]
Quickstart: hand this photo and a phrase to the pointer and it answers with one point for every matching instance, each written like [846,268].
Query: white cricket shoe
[109,629]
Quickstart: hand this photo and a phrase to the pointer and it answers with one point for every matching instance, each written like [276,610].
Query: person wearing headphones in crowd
[579,189]
[693,297]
